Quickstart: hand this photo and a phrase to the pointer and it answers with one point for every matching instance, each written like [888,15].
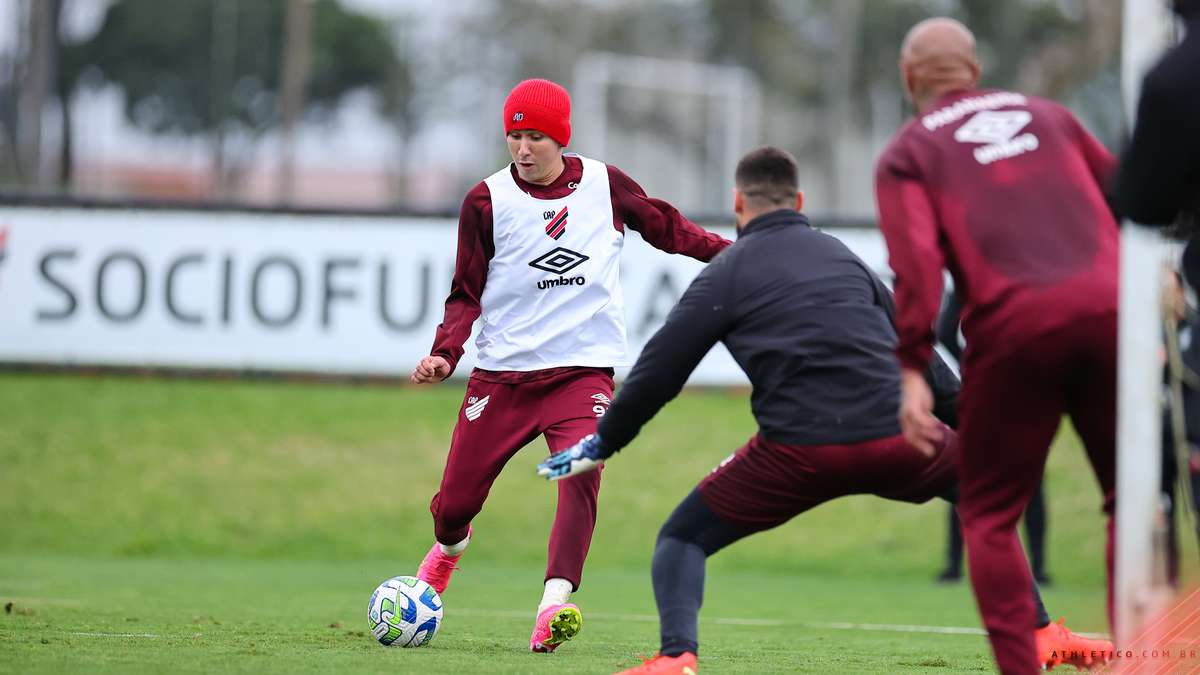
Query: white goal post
[1141,592]
[721,104]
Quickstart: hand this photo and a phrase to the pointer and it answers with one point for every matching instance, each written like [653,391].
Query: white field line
[115,635]
[134,635]
[726,621]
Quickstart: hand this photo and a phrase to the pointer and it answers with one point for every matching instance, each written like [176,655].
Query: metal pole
[223,59]
[294,61]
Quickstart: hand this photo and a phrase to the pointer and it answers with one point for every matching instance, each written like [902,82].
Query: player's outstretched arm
[695,324]
[430,370]
[586,455]
[659,223]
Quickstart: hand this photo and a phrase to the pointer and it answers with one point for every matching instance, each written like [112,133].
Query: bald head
[938,57]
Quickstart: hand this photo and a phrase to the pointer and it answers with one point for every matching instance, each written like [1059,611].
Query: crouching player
[812,327]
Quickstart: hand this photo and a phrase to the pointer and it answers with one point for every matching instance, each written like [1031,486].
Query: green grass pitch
[154,525]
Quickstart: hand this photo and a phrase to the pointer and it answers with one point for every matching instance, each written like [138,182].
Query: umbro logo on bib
[557,226]
[559,261]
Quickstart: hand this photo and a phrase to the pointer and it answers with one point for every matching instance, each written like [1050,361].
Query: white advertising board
[270,292]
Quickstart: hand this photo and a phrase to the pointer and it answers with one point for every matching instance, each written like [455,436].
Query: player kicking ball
[538,248]
[812,327]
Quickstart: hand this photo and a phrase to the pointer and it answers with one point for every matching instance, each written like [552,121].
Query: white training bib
[553,295]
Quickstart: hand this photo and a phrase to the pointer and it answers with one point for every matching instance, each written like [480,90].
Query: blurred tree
[213,68]
[800,49]
[27,77]
[831,90]
[829,69]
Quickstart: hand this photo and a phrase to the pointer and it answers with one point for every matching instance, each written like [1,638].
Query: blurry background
[173,509]
[393,104]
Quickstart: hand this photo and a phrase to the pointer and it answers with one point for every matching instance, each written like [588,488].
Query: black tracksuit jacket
[809,323]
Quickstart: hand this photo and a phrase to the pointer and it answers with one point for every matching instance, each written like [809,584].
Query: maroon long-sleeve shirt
[659,223]
[1004,191]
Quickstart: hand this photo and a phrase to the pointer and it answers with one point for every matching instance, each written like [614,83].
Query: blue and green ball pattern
[405,612]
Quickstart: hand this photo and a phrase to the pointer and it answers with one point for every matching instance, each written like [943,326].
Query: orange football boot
[1056,645]
[684,664]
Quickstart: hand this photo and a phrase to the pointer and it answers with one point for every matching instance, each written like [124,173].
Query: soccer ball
[404,611]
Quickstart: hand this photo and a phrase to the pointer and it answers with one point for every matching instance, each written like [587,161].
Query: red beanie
[541,105]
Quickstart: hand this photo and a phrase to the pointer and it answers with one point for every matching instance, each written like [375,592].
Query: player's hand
[430,369]
[588,454]
[920,428]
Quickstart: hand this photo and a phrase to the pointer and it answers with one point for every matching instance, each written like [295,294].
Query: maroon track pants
[499,418]
[1011,406]
[765,484]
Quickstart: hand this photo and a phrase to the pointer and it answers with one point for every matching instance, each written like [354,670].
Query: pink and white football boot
[555,625]
[437,567]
